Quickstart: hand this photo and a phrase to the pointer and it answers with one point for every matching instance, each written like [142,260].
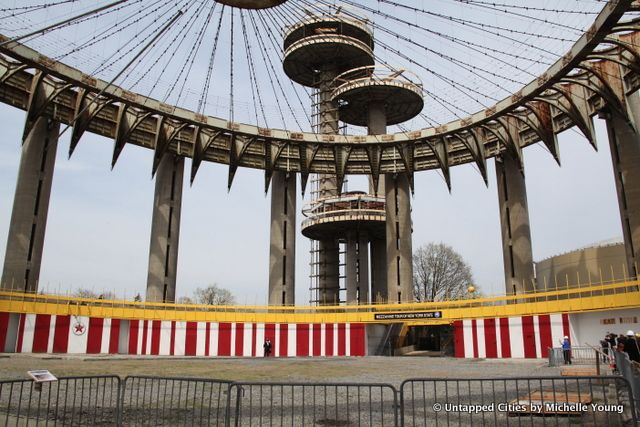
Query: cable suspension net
[226,61]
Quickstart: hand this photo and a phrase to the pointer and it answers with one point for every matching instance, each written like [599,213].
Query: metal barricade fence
[591,401]
[630,372]
[141,400]
[154,401]
[305,404]
[74,401]
[579,356]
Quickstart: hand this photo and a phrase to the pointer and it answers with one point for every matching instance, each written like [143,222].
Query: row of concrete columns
[25,243]
[28,221]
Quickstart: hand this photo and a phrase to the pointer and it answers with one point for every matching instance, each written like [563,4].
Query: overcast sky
[100,220]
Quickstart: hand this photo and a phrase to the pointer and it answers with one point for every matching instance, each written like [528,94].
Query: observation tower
[316,50]
[376,97]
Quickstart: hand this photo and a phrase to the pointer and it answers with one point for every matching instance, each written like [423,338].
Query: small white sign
[41,376]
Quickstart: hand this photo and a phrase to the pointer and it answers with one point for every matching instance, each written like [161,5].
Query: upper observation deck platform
[397,91]
[326,41]
[335,216]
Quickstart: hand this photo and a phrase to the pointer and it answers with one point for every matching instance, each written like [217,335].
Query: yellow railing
[578,299]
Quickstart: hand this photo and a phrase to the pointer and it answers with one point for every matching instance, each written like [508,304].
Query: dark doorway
[432,338]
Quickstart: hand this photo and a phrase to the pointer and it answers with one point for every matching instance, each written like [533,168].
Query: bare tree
[88,293]
[184,300]
[214,295]
[440,274]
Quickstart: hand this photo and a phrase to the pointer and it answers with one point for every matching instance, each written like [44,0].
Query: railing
[593,401]
[105,400]
[614,295]
[256,404]
[630,370]
[174,401]
[68,401]
[579,356]
[349,202]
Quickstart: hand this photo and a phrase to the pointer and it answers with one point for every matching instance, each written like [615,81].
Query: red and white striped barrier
[513,337]
[510,337]
[43,333]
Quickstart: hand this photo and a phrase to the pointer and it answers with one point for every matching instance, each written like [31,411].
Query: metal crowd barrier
[80,401]
[631,372]
[140,400]
[579,356]
[156,401]
[592,401]
[307,404]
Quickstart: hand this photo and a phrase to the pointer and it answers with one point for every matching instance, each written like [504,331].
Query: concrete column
[357,267]
[379,270]
[363,267]
[377,125]
[282,250]
[352,267]
[625,155]
[329,267]
[328,124]
[165,230]
[329,271]
[514,220]
[399,248]
[25,242]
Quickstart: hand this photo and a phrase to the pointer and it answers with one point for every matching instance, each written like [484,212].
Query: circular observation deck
[335,216]
[326,41]
[252,4]
[400,91]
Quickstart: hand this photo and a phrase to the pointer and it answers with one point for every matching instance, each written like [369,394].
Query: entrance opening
[434,340]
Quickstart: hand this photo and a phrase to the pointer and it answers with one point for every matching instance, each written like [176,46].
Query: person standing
[631,347]
[604,344]
[267,348]
[566,350]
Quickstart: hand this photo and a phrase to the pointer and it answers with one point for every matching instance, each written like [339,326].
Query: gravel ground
[301,400]
[391,370]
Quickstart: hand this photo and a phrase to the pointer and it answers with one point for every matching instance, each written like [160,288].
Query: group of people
[624,343]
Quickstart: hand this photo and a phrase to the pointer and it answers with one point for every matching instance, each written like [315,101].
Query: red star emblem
[78,328]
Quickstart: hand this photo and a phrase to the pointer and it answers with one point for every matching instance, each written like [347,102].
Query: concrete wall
[592,327]
[606,263]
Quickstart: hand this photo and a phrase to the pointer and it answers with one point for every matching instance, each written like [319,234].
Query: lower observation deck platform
[334,217]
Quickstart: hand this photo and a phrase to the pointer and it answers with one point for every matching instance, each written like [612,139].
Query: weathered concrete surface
[25,242]
[328,269]
[165,230]
[625,155]
[357,267]
[514,221]
[282,249]
[399,242]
